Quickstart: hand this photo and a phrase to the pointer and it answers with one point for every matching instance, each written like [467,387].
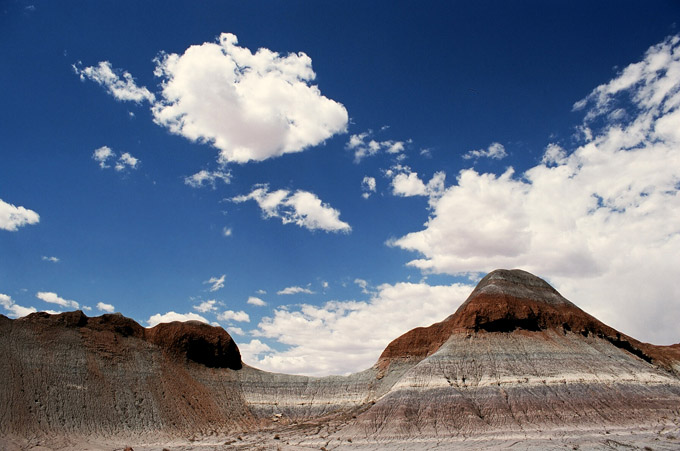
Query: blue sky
[320,177]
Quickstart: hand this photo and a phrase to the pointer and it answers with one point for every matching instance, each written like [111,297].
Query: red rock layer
[507,300]
[196,341]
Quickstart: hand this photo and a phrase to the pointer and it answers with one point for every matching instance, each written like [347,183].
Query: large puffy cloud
[346,336]
[602,223]
[250,106]
[301,207]
[13,217]
[14,310]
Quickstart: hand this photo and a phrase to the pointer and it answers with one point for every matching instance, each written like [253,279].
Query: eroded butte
[516,364]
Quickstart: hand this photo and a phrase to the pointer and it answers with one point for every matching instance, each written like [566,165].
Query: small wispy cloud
[50,259]
[207,178]
[363,284]
[363,145]
[104,156]
[295,290]
[495,151]
[53,298]
[215,282]
[118,83]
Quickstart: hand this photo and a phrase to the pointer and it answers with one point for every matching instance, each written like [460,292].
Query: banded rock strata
[515,360]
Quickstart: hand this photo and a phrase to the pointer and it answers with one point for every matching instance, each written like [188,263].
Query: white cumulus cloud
[250,352]
[407,183]
[236,331]
[252,300]
[173,316]
[230,315]
[14,310]
[554,154]
[12,217]
[250,106]
[368,186]
[301,207]
[601,222]
[206,306]
[50,259]
[341,337]
[126,161]
[53,298]
[108,308]
[102,155]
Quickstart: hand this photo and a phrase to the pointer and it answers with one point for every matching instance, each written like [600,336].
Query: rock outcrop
[197,341]
[517,355]
[68,374]
[515,360]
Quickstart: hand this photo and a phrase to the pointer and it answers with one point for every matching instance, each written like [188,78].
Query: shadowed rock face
[516,356]
[210,346]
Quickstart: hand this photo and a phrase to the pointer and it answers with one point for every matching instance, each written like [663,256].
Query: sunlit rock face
[515,358]
[518,355]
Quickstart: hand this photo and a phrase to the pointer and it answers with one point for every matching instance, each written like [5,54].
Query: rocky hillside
[515,358]
[108,376]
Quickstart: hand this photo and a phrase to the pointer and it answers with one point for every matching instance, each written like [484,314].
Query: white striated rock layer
[517,364]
